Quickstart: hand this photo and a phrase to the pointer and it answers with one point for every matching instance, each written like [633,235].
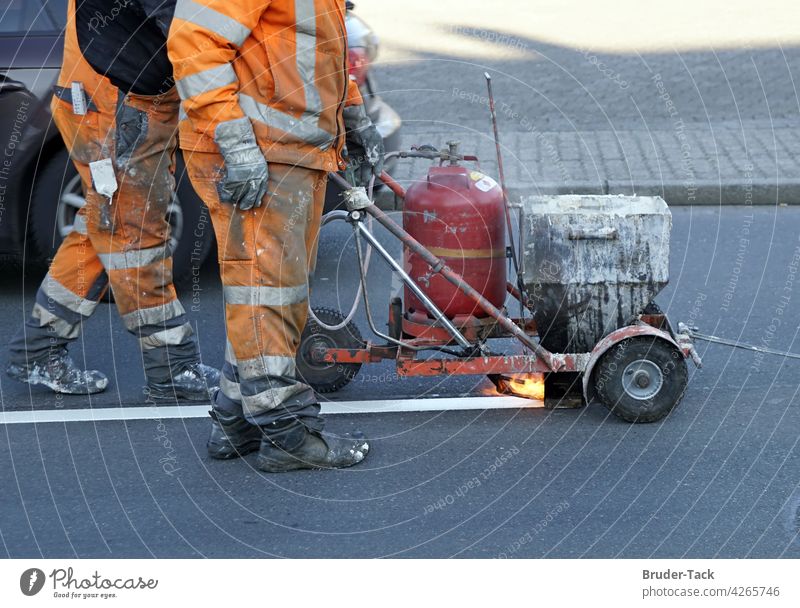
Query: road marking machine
[585,273]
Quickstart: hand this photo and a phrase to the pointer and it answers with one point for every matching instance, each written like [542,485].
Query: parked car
[40,190]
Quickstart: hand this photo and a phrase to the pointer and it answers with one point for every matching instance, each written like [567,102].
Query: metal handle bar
[439,267]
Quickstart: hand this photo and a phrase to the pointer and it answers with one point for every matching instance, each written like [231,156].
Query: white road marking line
[328,407]
[427,405]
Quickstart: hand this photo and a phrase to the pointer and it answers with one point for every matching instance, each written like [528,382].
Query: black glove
[364,145]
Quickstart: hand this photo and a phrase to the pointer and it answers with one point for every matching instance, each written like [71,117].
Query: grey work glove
[364,145]
[246,172]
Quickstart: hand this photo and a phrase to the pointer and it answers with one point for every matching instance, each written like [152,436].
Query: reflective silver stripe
[58,293]
[270,399]
[230,356]
[133,259]
[265,296]
[152,316]
[303,129]
[267,365]
[205,81]
[230,388]
[182,115]
[306,52]
[222,25]
[79,224]
[169,337]
[61,327]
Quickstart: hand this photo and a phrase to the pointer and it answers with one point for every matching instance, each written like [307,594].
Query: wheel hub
[642,379]
[327,376]
[317,352]
[315,349]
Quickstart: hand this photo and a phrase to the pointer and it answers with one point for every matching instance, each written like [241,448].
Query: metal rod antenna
[501,174]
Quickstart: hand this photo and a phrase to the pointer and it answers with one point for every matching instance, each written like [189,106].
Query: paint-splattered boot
[195,383]
[289,446]
[231,436]
[59,373]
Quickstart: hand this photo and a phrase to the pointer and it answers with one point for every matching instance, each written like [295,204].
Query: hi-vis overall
[122,240]
[283,65]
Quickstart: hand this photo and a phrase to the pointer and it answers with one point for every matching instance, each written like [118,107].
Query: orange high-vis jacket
[281,63]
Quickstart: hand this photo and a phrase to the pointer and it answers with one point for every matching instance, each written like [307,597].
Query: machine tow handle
[696,335]
[438,266]
[390,183]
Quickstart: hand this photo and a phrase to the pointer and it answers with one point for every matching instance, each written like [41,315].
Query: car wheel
[51,183]
[58,196]
[69,204]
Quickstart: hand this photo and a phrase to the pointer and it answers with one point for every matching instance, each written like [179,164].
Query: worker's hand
[364,145]
[246,172]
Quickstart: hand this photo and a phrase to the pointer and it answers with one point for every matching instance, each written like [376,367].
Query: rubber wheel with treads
[641,379]
[322,376]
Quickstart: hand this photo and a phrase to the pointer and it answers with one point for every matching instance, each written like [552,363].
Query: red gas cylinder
[459,216]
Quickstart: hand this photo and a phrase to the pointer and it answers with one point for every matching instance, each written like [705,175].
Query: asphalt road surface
[720,477]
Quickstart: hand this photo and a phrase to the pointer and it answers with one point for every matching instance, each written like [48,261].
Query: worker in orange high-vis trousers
[121,133]
[267,99]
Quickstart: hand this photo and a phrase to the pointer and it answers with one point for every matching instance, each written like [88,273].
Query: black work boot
[195,383]
[289,446]
[231,436]
[59,373]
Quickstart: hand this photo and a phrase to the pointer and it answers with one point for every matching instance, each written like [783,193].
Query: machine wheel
[641,379]
[321,376]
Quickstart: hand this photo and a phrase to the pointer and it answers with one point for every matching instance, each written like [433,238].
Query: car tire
[50,184]
[57,196]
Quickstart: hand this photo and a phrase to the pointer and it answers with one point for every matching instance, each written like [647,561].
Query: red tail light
[359,64]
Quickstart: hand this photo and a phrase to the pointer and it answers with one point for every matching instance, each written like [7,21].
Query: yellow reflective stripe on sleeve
[205,81]
[214,21]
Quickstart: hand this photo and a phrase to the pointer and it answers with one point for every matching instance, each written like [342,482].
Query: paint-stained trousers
[123,241]
[265,256]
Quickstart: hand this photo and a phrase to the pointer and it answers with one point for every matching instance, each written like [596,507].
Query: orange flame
[530,386]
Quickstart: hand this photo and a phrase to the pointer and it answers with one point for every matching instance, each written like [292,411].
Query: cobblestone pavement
[699,123]
[714,164]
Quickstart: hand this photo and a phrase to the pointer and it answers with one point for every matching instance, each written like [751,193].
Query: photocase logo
[31,581]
